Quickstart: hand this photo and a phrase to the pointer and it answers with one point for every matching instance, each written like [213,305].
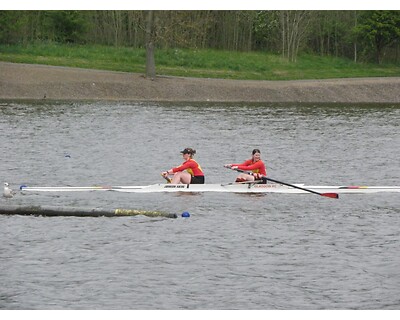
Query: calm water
[235,251]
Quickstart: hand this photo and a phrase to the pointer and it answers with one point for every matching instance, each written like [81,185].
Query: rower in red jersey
[255,164]
[193,174]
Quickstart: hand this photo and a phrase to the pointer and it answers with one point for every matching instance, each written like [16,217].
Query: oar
[169,180]
[326,194]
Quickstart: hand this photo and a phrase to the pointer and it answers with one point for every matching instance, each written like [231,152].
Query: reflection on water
[235,251]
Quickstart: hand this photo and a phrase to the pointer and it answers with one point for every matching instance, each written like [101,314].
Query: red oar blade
[330,195]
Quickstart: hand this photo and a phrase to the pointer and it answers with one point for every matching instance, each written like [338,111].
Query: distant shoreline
[38,82]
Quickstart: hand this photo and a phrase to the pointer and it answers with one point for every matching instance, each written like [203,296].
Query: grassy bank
[196,63]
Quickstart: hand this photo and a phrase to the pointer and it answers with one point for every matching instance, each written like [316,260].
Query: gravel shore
[27,81]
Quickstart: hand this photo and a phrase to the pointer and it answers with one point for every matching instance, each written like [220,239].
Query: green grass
[195,63]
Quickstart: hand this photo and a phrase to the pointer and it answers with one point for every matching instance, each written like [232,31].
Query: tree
[65,26]
[293,27]
[150,61]
[380,28]
[266,29]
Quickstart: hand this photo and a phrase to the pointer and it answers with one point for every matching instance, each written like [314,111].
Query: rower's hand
[164,174]
[257,176]
[229,166]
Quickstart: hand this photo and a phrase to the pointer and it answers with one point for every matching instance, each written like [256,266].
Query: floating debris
[79,212]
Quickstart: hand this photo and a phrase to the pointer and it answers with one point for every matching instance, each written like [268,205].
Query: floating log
[79,212]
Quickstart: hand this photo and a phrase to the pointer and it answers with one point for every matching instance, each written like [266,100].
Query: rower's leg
[181,177]
[244,177]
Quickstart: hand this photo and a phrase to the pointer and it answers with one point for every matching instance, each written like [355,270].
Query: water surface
[236,251]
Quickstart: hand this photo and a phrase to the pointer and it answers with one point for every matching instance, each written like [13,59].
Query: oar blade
[330,195]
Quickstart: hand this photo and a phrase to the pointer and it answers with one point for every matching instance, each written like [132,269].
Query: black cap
[188,151]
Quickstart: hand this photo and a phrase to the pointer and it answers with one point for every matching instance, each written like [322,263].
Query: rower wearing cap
[193,173]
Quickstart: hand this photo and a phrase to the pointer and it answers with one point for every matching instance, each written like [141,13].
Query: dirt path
[26,81]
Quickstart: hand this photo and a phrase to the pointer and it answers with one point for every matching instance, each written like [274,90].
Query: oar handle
[169,180]
[328,194]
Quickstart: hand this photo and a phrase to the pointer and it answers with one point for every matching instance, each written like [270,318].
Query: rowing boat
[229,187]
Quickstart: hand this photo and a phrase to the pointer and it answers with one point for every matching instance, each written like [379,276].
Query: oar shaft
[291,185]
[330,195]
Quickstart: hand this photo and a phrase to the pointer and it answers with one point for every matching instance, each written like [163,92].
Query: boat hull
[231,187]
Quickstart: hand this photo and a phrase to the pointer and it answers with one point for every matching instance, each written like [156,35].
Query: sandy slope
[25,81]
